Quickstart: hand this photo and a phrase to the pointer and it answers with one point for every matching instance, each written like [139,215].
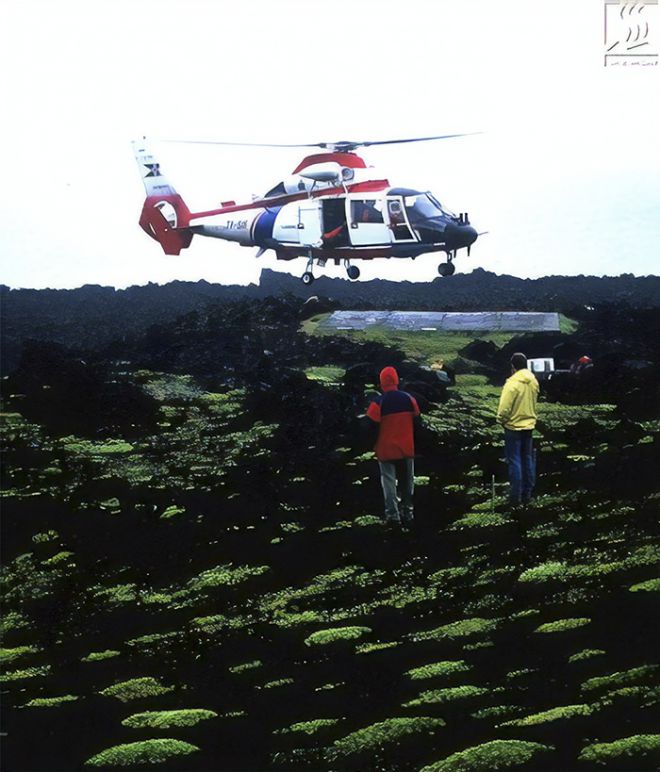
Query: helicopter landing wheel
[353,272]
[307,278]
[446,269]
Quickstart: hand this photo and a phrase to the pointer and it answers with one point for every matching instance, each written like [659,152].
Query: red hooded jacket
[394,410]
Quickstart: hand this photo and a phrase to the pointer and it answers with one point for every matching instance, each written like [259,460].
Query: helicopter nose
[458,235]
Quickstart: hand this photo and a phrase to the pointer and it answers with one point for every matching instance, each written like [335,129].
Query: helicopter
[331,207]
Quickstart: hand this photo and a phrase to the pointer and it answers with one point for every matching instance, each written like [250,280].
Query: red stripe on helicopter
[343,159]
[370,186]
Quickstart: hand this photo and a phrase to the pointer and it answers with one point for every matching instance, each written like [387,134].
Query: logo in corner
[632,33]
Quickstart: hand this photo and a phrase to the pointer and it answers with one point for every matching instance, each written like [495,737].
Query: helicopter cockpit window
[366,211]
[422,207]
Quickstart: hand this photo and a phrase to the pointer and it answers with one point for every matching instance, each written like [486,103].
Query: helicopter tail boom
[165,216]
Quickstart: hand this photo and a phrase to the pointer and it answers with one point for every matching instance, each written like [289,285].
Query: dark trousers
[521,459]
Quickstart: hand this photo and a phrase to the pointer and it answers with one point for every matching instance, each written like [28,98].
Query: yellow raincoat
[517,409]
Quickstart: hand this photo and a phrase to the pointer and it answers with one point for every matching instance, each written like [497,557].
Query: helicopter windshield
[423,207]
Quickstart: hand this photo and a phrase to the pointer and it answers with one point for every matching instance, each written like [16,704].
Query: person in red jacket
[395,410]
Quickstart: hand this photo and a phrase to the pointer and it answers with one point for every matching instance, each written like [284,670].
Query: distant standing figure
[517,414]
[395,410]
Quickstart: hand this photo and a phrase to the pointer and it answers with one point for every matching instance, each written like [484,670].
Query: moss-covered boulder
[491,756]
[563,625]
[382,737]
[464,628]
[145,752]
[50,702]
[334,634]
[436,669]
[441,696]
[168,719]
[628,752]
[136,688]
[554,714]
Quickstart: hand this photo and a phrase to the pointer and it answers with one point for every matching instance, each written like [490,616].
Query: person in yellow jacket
[517,414]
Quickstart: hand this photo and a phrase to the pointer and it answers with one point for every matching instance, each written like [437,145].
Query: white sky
[566,177]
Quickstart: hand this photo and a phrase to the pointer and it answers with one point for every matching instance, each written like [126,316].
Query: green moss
[168,719]
[28,672]
[561,625]
[461,629]
[638,747]
[145,752]
[554,714]
[172,511]
[309,727]
[447,667]
[116,595]
[586,654]
[376,738]
[364,521]
[448,575]
[440,696]
[621,678]
[295,619]
[544,572]
[9,655]
[244,666]
[50,702]
[333,634]
[325,373]
[225,575]
[479,520]
[136,688]
[497,712]
[63,557]
[651,585]
[491,756]
[13,621]
[153,641]
[97,656]
[277,683]
[45,537]
[369,648]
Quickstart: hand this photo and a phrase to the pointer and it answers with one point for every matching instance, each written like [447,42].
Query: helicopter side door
[310,229]
[366,221]
[399,227]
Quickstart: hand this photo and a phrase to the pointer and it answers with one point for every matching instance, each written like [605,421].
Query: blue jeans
[388,480]
[521,458]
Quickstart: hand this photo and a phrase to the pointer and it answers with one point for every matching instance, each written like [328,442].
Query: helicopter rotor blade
[340,146]
[415,139]
[235,144]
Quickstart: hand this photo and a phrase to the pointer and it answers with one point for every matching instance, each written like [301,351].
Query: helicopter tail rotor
[165,216]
